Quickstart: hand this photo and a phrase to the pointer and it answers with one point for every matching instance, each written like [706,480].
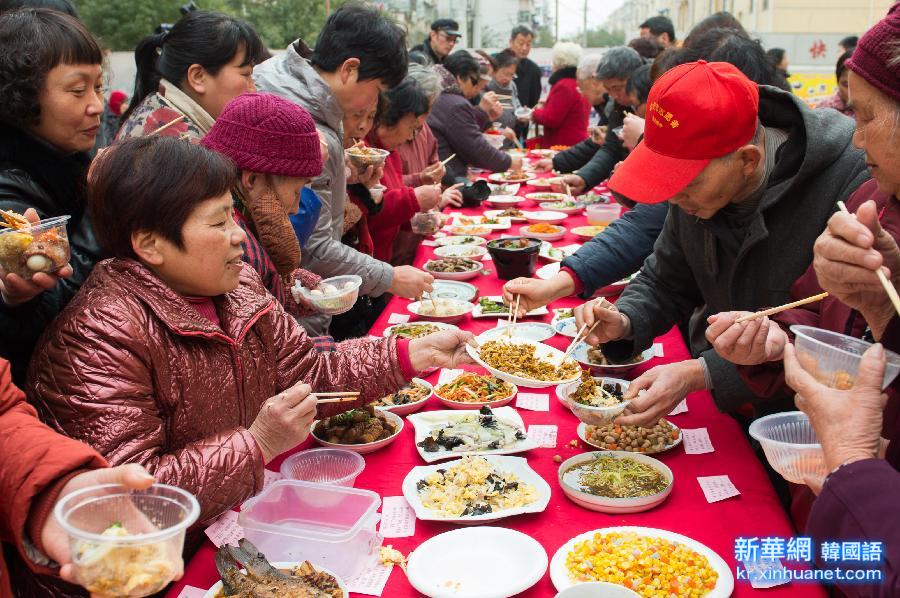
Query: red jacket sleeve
[559,104]
[42,458]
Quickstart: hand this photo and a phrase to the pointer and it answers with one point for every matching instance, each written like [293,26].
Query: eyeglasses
[452,39]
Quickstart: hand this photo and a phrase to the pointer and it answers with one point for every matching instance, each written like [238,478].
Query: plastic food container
[426,223]
[833,359]
[496,140]
[600,214]
[347,291]
[324,466]
[126,542]
[377,192]
[363,157]
[331,526]
[593,416]
[791,446]
[523,112]
[43,247]
[514,262]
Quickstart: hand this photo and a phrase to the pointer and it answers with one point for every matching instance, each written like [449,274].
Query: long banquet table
[757,512]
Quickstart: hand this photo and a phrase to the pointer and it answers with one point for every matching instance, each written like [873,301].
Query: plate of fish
[441,435]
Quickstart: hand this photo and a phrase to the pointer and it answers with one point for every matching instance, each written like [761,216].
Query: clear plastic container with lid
[330,526]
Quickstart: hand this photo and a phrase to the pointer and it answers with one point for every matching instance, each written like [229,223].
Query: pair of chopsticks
[777,310]
[339,397]
[582,334]
[888,286]
[447,159]
[174,121]
[513,315]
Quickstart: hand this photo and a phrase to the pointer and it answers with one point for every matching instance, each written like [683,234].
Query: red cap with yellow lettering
[696,112]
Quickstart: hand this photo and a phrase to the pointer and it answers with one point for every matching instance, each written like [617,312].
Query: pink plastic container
[330,526]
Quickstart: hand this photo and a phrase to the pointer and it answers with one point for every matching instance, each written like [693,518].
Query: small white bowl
[546,217]
[470,252]
[464,308]
[460,240]
[593,416]
[504,201]
[605,504]
[369,447]
[554,206]
[467,275]
[556,236]
[597,589]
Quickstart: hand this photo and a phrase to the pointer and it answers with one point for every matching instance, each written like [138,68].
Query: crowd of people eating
[173,346]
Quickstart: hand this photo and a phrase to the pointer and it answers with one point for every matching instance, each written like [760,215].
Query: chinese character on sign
[850,551]
[772,549]
[817,49]
[831,551]
[871,552]
[799,549]
[746,549]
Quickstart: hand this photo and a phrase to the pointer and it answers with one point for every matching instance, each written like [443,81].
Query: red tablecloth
[755,513]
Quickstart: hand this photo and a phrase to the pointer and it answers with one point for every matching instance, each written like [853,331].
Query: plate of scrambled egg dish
[475,489]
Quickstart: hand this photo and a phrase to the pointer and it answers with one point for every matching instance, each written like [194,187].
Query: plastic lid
[306,510]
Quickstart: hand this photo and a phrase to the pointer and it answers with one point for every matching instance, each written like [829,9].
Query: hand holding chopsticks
[580,336]
[447,159]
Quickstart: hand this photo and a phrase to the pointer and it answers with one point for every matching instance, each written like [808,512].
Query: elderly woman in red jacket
[174,356]
[565,113]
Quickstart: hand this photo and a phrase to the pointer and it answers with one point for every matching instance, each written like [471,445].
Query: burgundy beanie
[264,133]
[874,51]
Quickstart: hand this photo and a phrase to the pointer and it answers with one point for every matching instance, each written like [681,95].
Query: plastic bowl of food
[26,249]
[426,223]
[377,192]
[471,252]
[335,466]
[791,446]
[833,358]
[495,139]
[126,542]
[362,157]
[441,310]
[547,217]
[600,414]
[514,257]
[601,214]
[523,112]
[334,295]
[453,268]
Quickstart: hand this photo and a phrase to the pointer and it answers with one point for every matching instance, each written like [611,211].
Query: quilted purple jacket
[132,369]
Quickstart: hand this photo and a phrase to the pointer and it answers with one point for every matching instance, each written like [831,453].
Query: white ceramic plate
[598,589]
[614,288]
[724,585]
[460,240]
[548,271]
[507,189]
[547,217]
[506,177]
[558,254]
[492,404]
[469,252]
[542,351]
[504,201]
[427,421]
[539,183]
[463,221]
[467,275]
[478,313]
[566,327]
[581,431]
[533,331]
[214,591]
[364,449]
[517,466]
[580,355]
[476,562]
[559,206]
[547,196]
[453,289]
[471,231]
[464,307]
[555,236]
[603,504]
[495,213]
[587,232]
[411,407]
[439,325]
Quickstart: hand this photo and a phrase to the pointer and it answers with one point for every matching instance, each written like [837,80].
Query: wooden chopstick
[447,159]
[168,124]
[337,400]
[336,394]
[780,308]
[515,314]
[502,97]
[578,339]
[888,287]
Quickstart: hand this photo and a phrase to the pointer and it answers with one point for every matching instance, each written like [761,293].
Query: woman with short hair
[565,113]
[51,99]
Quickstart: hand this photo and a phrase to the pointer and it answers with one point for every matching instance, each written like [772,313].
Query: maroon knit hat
[874,51]
[264,133]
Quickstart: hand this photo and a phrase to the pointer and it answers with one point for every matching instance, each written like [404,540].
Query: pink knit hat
[873,53]
[264,133]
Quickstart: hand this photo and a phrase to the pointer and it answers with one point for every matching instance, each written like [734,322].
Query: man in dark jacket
[441,40]
[589,162]
[747,201]
[528,73]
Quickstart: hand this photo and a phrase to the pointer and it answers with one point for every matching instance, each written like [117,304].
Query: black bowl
[474,193]
[514,257]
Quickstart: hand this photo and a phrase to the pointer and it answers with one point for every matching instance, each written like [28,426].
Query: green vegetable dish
[489,306]
[616,477]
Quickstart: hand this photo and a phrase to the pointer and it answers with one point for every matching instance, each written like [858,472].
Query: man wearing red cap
[752,176]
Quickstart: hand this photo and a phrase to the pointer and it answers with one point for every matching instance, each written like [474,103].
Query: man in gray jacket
[359,53]
[752,176]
